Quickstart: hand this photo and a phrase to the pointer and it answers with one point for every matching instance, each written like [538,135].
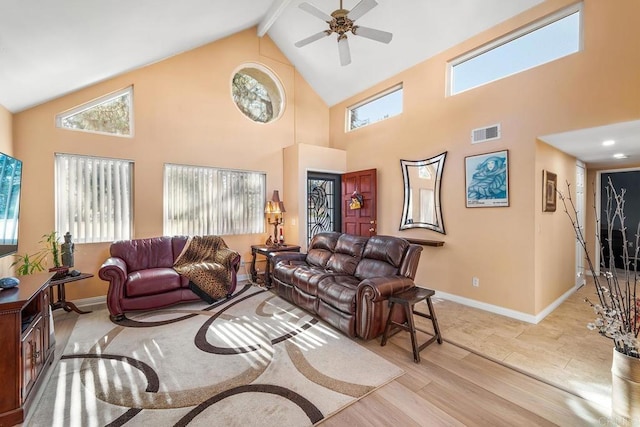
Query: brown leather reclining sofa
[141,275]
[346,280]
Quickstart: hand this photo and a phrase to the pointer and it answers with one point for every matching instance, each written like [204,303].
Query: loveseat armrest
[114,271]
[371,302]
[229,258]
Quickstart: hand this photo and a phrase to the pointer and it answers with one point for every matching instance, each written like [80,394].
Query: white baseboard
[544,313]
[514,314]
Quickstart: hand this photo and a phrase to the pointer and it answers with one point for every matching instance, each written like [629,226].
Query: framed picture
[487,180]
[549,185]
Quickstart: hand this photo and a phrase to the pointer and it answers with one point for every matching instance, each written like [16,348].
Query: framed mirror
[422,179]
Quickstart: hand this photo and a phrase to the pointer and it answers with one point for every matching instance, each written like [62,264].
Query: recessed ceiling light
[620,156]
[608,142]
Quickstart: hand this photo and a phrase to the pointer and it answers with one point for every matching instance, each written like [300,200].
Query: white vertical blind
[210,201]
[94,198]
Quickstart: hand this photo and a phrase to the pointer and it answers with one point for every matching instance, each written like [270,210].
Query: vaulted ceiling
[50,48]
[54,47]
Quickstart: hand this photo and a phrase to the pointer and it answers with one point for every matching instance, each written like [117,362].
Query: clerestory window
[379,107]
[110,114]
[543,41]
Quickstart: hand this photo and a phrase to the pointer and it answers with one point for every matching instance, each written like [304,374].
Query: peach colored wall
[596,86]
[300,159]
[312,115]
[555,266]
[184,113]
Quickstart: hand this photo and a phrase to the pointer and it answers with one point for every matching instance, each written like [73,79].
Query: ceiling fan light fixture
[341,22]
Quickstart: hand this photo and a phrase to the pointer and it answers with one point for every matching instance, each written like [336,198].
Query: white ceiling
[53,47]
[586,144]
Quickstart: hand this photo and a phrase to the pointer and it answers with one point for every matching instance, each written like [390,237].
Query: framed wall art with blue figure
[487,180]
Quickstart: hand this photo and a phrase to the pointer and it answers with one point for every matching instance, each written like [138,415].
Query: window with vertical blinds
[210,201]
[93,198]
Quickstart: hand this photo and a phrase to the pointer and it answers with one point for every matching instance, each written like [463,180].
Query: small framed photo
[549,185]
[487,180]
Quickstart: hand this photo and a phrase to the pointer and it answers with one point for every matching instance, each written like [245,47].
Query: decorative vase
[625,388]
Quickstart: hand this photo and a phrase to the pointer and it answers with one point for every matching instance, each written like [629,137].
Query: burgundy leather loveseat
[141,276]
[346,280]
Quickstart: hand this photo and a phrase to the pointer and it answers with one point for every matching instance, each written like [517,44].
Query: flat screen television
[10,183]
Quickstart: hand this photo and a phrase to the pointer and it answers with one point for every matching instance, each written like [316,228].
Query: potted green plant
[32,263]
[52,245]
[29,264]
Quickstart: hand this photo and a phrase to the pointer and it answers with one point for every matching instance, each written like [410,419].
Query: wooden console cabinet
[26,345]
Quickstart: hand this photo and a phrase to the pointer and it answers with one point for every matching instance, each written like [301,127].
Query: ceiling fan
[342,21]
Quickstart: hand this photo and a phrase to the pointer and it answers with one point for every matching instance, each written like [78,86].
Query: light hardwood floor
[473,383]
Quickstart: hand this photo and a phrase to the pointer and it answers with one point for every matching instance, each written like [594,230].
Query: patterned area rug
[251,360]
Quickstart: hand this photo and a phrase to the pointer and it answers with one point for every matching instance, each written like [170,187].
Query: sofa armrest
[288,257]
[114,271]
[380,288]
[371,301]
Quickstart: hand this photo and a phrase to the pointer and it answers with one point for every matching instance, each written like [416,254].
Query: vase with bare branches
[618,307]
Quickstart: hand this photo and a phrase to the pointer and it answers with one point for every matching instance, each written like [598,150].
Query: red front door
[360,221]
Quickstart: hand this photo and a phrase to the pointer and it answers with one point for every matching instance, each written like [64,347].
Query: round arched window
[257,92]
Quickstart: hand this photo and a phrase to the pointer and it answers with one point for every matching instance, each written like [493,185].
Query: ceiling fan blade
[345,53]
[373,34]
[315,12]
[361,8]
[312,38]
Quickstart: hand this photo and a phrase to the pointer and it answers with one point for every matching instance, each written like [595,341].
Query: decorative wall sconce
[276,208]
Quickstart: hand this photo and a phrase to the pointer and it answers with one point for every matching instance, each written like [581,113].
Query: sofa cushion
[141,254]
[177,245]
[386,248]
[321,248]
[339,291]
[284,270]
[306,278]
[369,268]
[382,256]
[152,281]
[347,254]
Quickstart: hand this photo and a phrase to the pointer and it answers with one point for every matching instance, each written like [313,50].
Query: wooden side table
[62,302]
[267,252]
[408,299]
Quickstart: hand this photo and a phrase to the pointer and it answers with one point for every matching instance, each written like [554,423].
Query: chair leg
[434,320]
[412,330]
[385,334]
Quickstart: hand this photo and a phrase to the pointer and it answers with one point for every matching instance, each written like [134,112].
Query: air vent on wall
[485,134]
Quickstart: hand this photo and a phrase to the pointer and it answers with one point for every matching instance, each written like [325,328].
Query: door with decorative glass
[323,203]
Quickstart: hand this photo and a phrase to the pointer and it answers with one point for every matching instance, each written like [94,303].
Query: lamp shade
[275,205]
